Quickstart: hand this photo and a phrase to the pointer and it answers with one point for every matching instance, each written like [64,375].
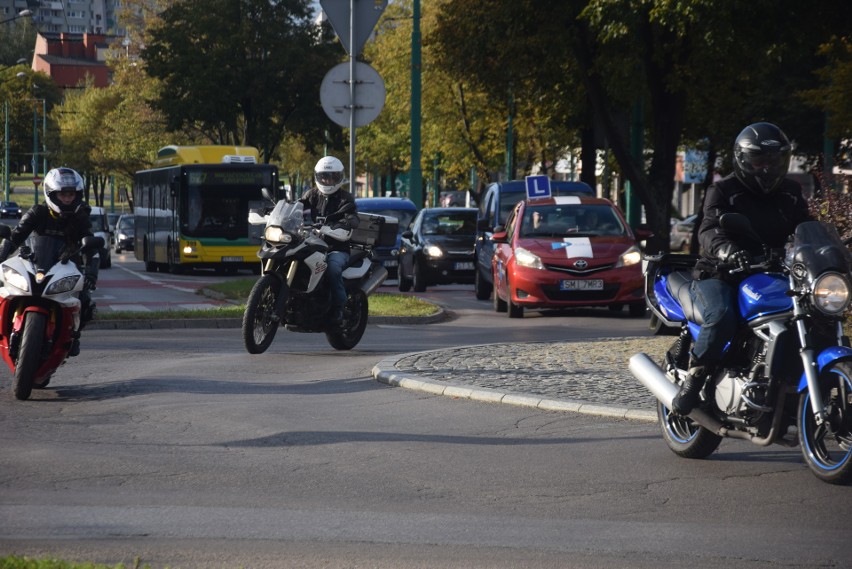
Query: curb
[385,372]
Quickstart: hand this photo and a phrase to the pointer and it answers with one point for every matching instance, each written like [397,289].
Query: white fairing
[357,272]
[56,273]
[316,262]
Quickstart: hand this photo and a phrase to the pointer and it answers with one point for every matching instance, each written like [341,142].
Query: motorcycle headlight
[433,251]
[275,234]
[830,293]
[16,279]
[62,285]
[630,257]
[525,258]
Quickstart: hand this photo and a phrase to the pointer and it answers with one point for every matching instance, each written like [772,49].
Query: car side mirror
[407,234]
[643,233]
[93,242]
[500,237]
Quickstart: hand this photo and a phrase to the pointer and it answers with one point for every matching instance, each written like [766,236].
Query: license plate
[463,266]
[232,259]
[391,263]
[581,284]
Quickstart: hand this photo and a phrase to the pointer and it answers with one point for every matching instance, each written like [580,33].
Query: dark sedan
[438,249]
[9,209]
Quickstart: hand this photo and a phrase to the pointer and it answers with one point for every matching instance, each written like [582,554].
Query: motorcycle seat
[677,283]
[356,257]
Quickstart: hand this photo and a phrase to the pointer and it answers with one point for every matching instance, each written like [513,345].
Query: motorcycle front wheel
[354,322]
[29,355]
[260,322]
[827,448]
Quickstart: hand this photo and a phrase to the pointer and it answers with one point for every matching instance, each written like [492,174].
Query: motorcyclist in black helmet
[63,214]
[758,189]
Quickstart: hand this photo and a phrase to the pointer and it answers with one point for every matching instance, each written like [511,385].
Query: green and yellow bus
[191,210]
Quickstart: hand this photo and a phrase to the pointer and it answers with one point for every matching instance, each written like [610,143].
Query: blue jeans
[334,273]
[716,301]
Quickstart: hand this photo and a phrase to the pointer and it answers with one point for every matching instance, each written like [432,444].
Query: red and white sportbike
[40,308]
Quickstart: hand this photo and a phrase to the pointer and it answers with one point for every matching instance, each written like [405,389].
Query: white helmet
[59,180]
[329,175]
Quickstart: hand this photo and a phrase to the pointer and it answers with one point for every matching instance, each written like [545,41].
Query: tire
[403,284]
[174,265]
[514,310]
[683,436]
[827,448]
[419,280]
[260,322]
[150,266]
[29,355]
[355,315]
[499,304]
[481,288]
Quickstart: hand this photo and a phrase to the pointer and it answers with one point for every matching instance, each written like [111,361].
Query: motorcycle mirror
[93,242]
[737,223]
[267,194]
[5,231]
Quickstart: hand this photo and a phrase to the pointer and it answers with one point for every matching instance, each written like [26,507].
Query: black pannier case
[375,230]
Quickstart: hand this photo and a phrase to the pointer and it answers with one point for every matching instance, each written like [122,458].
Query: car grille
[583,272]
[553,293]
[460,252]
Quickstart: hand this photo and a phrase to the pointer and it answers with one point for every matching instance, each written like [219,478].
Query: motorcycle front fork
[808,355]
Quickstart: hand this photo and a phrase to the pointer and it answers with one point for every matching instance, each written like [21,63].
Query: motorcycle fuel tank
[762,294]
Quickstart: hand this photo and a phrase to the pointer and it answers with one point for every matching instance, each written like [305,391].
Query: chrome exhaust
[376,277]
[652,377]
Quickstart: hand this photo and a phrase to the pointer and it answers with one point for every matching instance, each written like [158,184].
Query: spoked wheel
[260,322]
[684,436]
[354,322]
[827,448]
[29,355]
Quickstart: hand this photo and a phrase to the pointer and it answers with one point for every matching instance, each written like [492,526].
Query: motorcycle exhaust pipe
[651,376]
[376,277]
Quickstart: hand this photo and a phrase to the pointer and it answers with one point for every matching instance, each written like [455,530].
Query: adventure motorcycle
[292,291]
[786,376]
[40,308]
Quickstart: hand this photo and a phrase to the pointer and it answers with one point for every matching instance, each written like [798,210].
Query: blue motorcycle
[786,376]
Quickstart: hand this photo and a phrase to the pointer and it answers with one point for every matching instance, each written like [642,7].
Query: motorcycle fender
[826,357]
[19,317]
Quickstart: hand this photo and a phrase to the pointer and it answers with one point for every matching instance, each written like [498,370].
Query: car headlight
[433,251]
[63,285]
[630,257]
[16,279]
[524,258]
[830,293]
[275,234]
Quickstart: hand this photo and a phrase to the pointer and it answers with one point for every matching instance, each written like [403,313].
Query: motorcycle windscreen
[817,248]
[46,250]
[762,294]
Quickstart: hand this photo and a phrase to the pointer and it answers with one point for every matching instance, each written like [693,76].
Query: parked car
[566,252]
[498,200]
[98,219]
[125,233]
[681,233]
[9,209]
[404,210]
[438,249]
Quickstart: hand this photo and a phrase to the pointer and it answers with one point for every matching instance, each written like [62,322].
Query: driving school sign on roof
[538,187]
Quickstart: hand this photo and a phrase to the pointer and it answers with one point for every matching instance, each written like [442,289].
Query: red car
[564,252]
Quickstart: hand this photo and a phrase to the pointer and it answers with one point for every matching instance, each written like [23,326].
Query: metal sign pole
[352,96]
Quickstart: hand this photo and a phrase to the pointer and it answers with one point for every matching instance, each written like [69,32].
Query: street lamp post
[21,14]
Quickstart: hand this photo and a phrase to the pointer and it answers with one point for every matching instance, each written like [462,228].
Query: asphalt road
[179,449]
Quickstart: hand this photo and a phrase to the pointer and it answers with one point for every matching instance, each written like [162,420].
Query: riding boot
[688,396]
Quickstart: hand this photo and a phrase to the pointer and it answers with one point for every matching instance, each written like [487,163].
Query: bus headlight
[275,234]
[830,293]
[16,279]
[62,285]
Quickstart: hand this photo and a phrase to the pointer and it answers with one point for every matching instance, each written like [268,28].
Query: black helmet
[762,157]
[63,179]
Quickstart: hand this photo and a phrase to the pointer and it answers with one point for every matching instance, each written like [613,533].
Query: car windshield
[451,223]
[97,221]
[125,223]
[571,220]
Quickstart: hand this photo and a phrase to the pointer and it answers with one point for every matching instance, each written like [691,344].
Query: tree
[240,71]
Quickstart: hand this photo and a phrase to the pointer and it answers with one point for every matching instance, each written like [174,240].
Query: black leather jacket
[321,205]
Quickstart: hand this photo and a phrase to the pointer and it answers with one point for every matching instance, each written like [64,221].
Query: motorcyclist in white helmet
[325,202]
[64,215]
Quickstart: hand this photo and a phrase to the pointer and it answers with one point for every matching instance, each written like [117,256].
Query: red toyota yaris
[564,252]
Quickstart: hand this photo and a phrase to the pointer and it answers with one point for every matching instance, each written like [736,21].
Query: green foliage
[13,562]
[240,71]
[834,208]
[16,41]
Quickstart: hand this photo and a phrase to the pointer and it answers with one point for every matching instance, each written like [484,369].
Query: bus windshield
[216,201]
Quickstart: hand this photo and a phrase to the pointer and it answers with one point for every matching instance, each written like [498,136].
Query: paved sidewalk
[583,376]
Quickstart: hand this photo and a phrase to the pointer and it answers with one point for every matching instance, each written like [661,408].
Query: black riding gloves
[741,259]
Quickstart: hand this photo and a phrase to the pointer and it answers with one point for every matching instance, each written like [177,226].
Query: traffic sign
[366,13]
[36,181]
[538,187]
[369,94]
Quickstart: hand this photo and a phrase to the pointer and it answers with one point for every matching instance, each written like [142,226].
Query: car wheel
[403,283]
[480,287]
[419,279]
[499,304]
[514,310]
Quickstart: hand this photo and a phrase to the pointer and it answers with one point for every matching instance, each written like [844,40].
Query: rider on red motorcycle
[62,215]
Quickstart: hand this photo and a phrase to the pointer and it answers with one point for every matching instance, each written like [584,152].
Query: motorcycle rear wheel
[29,355]
[260,322]
[354,322]
[684,437]
[827,448]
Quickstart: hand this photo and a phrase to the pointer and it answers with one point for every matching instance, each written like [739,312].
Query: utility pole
[415,177]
